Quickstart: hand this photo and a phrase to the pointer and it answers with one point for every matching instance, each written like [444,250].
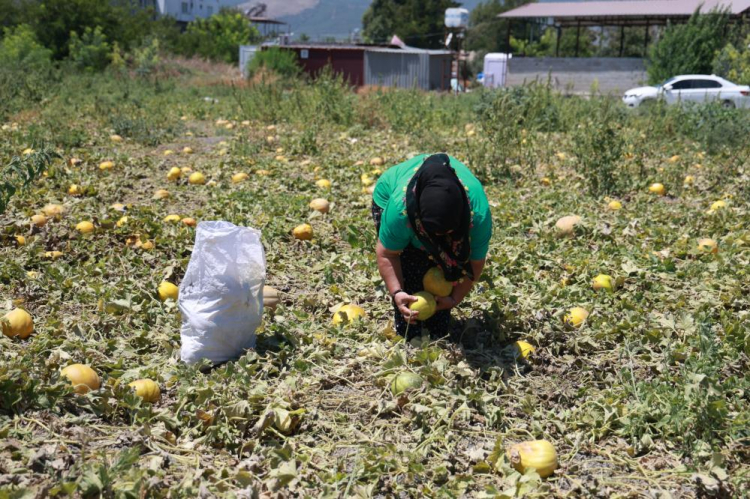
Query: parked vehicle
[691,88]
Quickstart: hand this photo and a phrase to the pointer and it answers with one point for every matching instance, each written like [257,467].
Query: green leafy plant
[90,51]
[218,37]
[688,48]
[21,172]
[276,60]
[19,47]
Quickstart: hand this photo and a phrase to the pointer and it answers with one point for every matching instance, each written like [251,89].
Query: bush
[219,37]
[281,62]
[21,48]
[599,146]
[734,64]
[90,51]
[688,48]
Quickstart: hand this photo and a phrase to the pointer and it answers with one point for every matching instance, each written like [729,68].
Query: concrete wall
[577,74]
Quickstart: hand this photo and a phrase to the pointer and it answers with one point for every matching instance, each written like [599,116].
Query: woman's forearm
[389,266]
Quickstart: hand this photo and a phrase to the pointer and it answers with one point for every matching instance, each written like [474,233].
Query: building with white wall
[185,11]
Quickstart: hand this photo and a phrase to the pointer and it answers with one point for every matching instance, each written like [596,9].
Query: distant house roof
[264,20]
[599,11]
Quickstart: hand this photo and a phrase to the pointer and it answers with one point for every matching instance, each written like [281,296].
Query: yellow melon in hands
[434,282]
[425,305]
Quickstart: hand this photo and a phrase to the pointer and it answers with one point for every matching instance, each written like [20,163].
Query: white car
[691,88]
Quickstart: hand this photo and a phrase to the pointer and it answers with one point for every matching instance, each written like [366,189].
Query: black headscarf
[436,203]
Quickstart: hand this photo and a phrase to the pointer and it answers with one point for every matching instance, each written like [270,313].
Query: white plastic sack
[221,295]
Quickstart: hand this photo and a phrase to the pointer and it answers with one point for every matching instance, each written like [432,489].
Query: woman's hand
[403,300]
[445,303]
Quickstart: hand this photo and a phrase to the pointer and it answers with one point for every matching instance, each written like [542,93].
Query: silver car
[691,88]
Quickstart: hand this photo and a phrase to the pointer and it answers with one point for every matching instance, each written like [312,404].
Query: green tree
[121,21]
[546,45]
[688,48]
[20,48]
[90,51]
[734,63]
[418,22]
[219,36]
[488,33]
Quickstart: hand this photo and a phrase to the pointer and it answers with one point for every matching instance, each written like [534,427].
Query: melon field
[633,314]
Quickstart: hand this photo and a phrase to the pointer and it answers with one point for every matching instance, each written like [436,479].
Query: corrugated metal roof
[361,47]
[624,8]
[410,51]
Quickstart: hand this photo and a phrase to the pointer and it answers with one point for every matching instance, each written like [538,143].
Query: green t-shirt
[390,194]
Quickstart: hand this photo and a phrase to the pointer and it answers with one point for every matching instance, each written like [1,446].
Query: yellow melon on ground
[270,297]
[524,349]
[174,173]
[75,190]
[717,205]
[147,389]
[303,232]
[53,210]
[187,150]
[708,245]
[434,282]
[167,291]
[161,194]
[605,282]
[576,316]
[348,313]
[53,255]
[21,240]
[614,205]
[85,227]
[406,381]
[657,189]
[566,225]
[197,178]
[323,183]
[377,161]
[537,454]
[17,322]
[82,377]
[172,218]
[190,222]
[38,220]
[106,165]
[320,204]
[239,177]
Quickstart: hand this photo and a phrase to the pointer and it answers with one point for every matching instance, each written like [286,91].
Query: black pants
[414,265]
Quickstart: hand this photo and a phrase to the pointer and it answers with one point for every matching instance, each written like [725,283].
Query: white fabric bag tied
[221,295]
